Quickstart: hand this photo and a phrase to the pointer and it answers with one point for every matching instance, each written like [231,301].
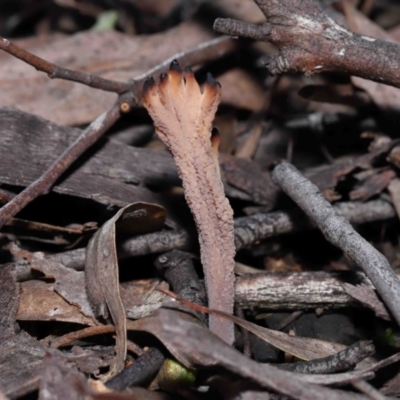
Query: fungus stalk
[183,117]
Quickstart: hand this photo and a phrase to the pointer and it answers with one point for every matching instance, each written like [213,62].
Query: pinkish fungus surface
[183,116]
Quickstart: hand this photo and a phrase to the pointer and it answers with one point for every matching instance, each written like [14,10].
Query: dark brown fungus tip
[148,83]
[215,138]
[163,76]
[214,132]
[175,66]
[188,71]
[210,80]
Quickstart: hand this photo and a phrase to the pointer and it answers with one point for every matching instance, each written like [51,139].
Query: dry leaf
[372,186]
[101,268]
[241,90]
[39,302]
[245,10]
[300,347]
[70,284]
[368,297]
[249,146]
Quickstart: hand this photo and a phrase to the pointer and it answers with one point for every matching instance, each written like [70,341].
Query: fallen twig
[341,361]
[340,233]
[265,225]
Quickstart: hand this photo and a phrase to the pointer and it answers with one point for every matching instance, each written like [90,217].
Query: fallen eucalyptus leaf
[40,302]
[300,347]
[303,348]
[101,268]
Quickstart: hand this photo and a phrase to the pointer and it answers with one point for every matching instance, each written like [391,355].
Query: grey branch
[338,231]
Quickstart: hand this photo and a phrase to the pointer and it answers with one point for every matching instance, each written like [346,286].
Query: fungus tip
[188,71]
[175,66]
[215,138]
[190,80]
[175,76]
[148,83]
[163,76]
[210,80]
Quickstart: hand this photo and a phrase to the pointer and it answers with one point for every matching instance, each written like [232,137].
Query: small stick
[338,231]
[54,71]
[341,361]
[42,185]
[177,268]
[253,228]
[140,372]
[81,334]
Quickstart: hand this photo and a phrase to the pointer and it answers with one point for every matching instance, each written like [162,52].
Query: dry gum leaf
[70,284]
[303,348]
[39,302]
[101,268]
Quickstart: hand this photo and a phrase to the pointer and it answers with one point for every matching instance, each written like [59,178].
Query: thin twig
[81,334]
[42,185]
[340,233]
[341,361]
[55,71]
[253,228]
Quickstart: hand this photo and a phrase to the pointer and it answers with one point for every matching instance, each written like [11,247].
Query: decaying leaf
[368,297]
[101,268]
[70,284]
[140,297]
[39,302]
[372,186]
[301,347]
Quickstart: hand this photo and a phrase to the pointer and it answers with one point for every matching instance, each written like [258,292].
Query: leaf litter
[81,305]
